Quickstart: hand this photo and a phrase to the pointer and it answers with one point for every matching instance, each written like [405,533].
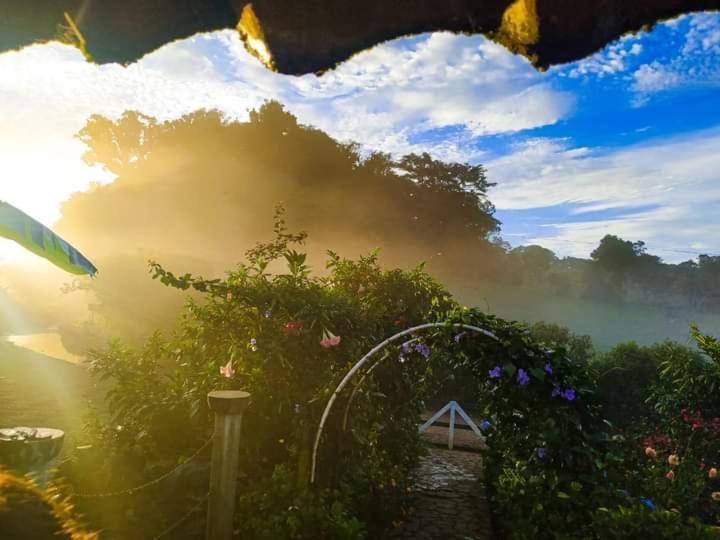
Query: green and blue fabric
[36,237]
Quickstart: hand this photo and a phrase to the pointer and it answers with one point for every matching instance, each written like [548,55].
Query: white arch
[353,370]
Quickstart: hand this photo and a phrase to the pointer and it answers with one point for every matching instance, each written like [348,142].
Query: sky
[625,142]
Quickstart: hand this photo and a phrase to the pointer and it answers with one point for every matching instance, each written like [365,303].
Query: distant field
[37,390]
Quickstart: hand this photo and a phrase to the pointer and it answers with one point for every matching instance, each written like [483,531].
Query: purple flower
[423,349]
[541,452]
[569,394]
[522,377]
[548,368]
[495,372]
[485,425]
[268,314]
[253,341]
[556,392]
[459,336]
[406,347]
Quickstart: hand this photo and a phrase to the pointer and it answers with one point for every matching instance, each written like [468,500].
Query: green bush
[626,376]
[273,509]
[288,339]
[639,521]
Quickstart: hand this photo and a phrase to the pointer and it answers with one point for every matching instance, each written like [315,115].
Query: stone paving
[448,501]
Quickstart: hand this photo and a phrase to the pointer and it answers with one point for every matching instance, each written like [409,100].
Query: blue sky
[626,141]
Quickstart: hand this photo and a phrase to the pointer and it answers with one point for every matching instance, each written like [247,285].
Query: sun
[37,181]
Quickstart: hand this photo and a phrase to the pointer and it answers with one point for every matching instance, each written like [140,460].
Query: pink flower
[329,339]
[670,475]
[227,370]
[712,472]
[650,452]
[673,459]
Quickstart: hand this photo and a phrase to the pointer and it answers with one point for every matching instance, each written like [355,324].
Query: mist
[195,193]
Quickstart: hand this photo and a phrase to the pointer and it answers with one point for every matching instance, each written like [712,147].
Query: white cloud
[684,52]
[695,61]
[677,178]
[613,59]
[383,98]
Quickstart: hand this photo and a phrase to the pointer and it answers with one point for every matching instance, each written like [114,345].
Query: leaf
[537,373]
[562,495]
[510,369]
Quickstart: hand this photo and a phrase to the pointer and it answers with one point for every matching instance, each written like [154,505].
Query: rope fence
[180,521]
[135,489]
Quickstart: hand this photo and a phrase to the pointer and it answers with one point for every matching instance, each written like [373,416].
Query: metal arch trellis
[360,363]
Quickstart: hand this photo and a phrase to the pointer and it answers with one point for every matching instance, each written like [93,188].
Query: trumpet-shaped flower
[495,372]
[712,472]
[522,377]
[227,370]
[670,475]
[329,339]
[673,459]
[650,452]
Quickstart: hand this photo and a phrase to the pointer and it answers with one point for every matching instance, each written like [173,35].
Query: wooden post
[228,406]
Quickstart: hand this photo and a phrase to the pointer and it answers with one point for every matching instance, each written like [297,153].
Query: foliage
[287,338]
[579,347]
[274,509]
[29,512]
[548,444]
[670,454]
[626,376]
[639,521]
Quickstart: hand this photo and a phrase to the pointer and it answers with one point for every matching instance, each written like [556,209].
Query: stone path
[448,501]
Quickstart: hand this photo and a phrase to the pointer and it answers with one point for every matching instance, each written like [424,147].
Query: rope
[146,484]
[182,519]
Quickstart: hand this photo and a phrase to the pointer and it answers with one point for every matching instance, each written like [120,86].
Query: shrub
[288,339]
[639,521]
[626,376]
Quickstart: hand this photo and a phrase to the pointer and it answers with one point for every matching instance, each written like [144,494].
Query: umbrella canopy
[36,237]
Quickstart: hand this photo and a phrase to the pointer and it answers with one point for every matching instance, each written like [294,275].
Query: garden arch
[365,359]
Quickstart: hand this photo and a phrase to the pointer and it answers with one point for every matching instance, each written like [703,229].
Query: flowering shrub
[671,461]
[547,442]
[287,338]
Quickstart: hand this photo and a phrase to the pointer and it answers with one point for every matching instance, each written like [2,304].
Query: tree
[118,145]
[617,255]
[533,262]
